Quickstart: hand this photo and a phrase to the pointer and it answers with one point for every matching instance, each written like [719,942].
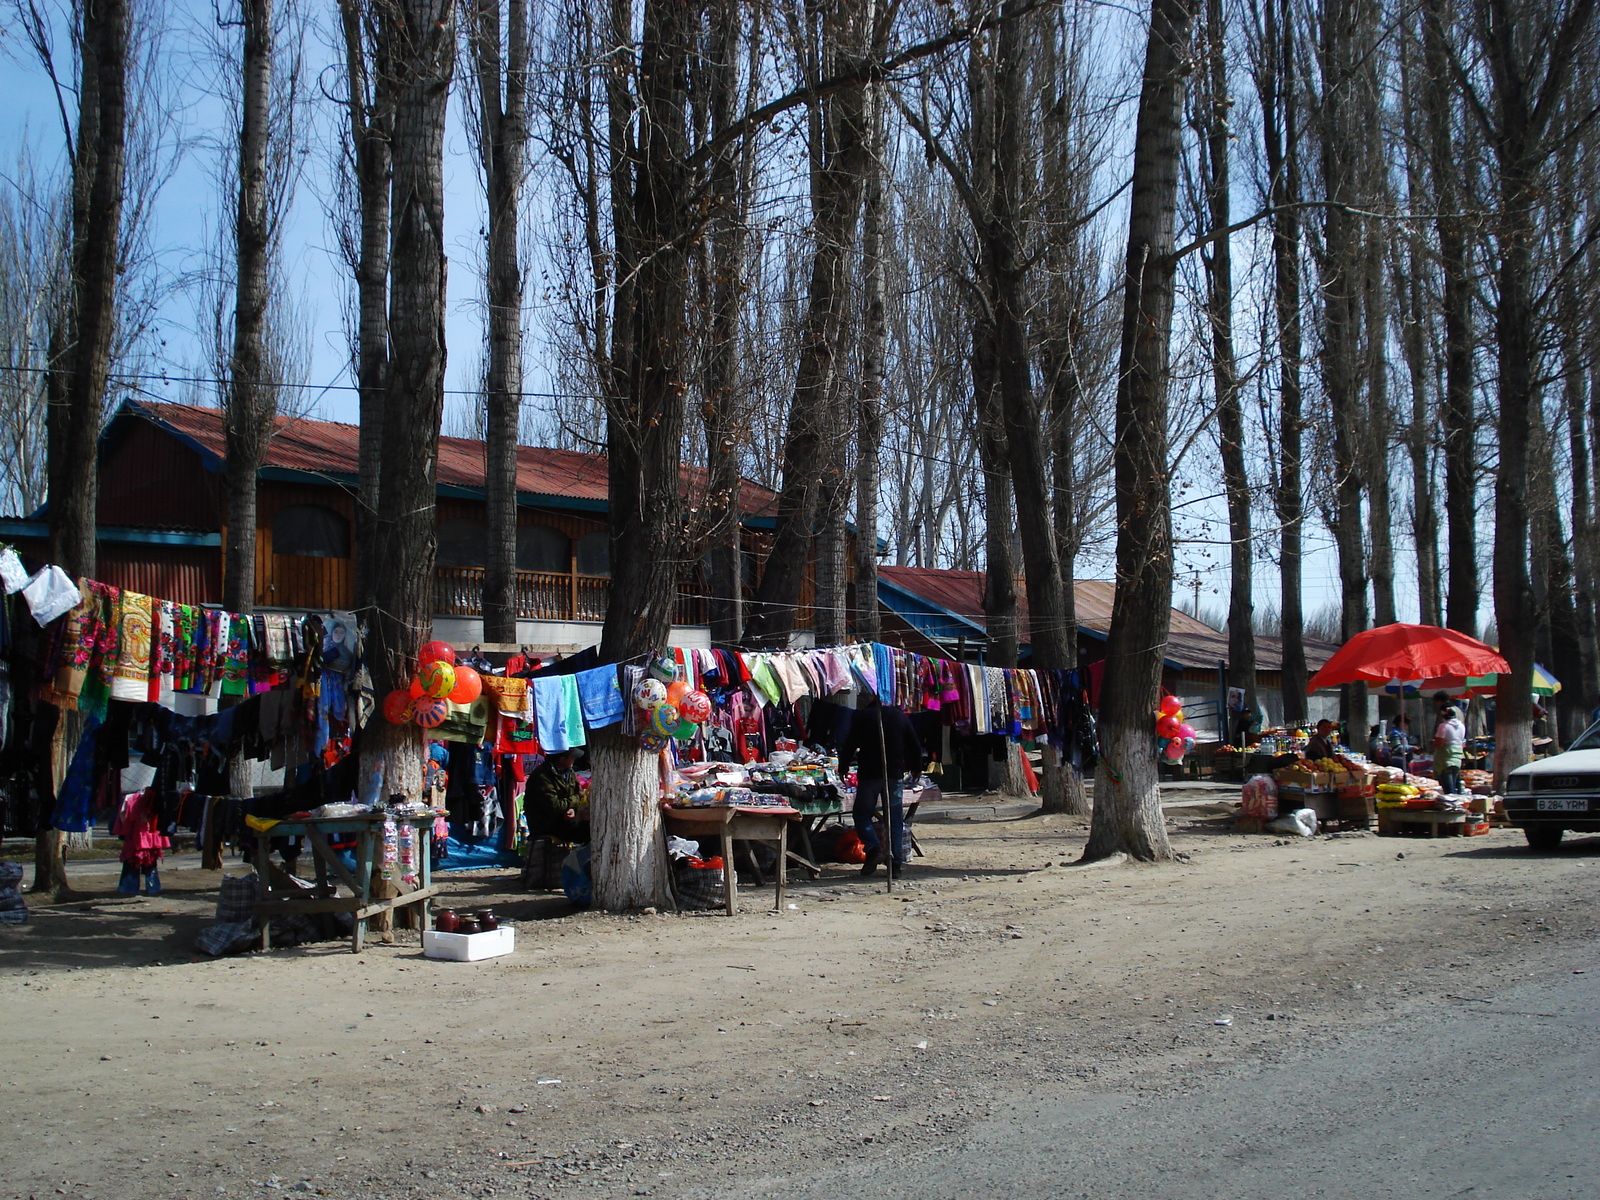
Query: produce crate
[1242,824]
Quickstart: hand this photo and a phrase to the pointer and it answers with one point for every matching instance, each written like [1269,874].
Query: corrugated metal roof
[329,449]
[1190,642]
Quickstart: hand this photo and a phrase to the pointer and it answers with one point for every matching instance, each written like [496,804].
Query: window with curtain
[310,531]
[543,548]
[594,553]
[463,542]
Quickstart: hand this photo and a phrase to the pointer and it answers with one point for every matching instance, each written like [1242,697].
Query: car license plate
[1555,804]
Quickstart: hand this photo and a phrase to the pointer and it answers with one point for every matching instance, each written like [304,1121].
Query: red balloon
[1175,749]
[469,686]
[436,652]
[1170,705]
[431,712]
[398,707]
[1167,726]
[415,691]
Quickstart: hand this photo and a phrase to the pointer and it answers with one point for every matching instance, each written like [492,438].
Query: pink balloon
[1175,749]
[1186,731]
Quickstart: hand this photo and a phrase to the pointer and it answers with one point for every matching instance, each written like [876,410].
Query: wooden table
[731,825]
[1438,824]
[280,894]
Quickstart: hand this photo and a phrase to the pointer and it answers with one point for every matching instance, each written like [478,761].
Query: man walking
[885,746]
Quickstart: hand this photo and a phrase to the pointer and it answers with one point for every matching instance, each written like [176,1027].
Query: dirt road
[683,1056]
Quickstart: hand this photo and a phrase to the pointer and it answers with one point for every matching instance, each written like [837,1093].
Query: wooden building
[162,524]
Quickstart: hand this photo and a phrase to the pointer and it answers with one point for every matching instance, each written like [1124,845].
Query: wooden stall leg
[730,873]
[783,861]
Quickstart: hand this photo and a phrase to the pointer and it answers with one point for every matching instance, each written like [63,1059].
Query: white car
[1548,797]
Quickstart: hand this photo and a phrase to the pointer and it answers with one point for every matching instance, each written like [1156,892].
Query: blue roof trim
[19,527]
[929,619]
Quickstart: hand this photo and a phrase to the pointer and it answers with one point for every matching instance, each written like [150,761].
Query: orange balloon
[469,685]
[675,691]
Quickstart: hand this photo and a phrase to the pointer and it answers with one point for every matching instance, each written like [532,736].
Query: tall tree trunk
[732,170]
[1277,89]
[252,400]
[1000,568]
[420,40]
[1586,687]
[812,443]
[869,406]
[1005,272]
[80,343]
[1462,594]
[369,81]
[1379,431]
[1341,65]
[1127,809]
[644,438]
[1217,103]
[503,141]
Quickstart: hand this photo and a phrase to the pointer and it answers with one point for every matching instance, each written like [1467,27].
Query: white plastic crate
[468,947]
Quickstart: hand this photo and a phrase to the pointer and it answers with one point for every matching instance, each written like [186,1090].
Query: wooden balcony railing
[544,596]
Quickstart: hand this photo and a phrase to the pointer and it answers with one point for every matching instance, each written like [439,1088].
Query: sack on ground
[699,887]
[1302,822]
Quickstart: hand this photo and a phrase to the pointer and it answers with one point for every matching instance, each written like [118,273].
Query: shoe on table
[870,866]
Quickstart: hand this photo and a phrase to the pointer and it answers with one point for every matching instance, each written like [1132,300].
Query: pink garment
[137,826]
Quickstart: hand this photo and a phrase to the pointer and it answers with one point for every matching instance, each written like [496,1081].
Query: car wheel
[1543,837]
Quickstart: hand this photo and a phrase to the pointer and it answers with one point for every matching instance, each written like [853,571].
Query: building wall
[154,480]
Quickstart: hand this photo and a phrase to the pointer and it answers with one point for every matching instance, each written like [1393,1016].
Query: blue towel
[601,696]
[558,715]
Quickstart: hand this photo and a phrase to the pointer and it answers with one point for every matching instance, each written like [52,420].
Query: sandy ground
[676,1056]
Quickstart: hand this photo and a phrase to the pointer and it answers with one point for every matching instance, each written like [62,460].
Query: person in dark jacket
[885,748]
[552,800]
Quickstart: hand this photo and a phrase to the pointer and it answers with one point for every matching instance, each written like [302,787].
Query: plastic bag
[848,848]
[51,593]
[1259,797]
[1302,823]
[13,575]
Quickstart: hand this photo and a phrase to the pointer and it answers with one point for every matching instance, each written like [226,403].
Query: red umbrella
[1402,652]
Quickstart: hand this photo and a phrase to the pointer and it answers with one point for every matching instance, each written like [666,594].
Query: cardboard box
[1295,777]
[468,947]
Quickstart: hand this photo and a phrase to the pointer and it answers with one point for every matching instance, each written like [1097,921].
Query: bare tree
[419,41]
[500,62]
[365,170]
[1127,810]
[266,166]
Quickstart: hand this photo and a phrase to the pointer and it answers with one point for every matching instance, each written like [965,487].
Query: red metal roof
[1190,641]
[329,448]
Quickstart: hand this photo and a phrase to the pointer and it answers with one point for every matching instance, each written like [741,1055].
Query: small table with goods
[732,824]
[281,894]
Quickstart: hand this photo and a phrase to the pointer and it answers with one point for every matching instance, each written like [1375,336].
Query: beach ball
[664,668]
[397,707]
[431,712]
[469,686]
[696,706]
[650,693]
[664,719]
[438,678]
[675,691]
[652,743]
[686,729]
[436,652]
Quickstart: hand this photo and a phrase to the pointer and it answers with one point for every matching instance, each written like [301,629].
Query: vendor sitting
[1320,744]
[553,800]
